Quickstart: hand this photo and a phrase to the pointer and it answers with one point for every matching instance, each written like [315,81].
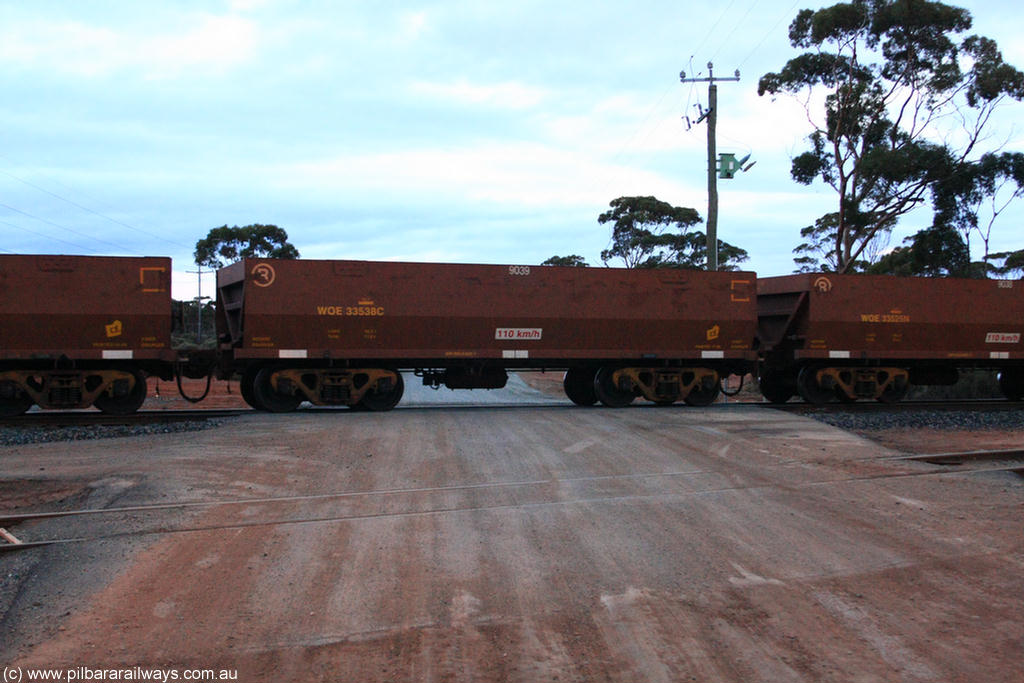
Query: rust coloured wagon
[77,331]
[341,332]
[828,336]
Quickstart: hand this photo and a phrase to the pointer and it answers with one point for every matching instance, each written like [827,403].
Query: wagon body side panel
[438,312]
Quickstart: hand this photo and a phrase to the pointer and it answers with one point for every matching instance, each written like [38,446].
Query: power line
[735,28]
[77,205]
[88,210]
[642,128]
[71,230]
[711,31]
[643,123]
[693,89]
[769,32]
[52,239]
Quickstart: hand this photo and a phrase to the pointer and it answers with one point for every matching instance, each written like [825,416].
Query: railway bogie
[851,383]
[280,389]
[1011,383]
[660,385]
[114,391]
[776,384]
[578,384]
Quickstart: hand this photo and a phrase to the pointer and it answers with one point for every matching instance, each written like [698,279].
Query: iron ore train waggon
[339,332]
[848,337]
[80,331]
[77,331]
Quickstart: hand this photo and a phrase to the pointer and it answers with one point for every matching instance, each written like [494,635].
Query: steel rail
[943,463]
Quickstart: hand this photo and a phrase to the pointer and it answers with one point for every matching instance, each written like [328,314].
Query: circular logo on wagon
[263,275]
[823,285]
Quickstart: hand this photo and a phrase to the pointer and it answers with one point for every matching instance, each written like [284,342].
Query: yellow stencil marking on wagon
[263,275]
[364,309]
[740,291]
[114,329]
[713,332]
[152,279]
[893,316]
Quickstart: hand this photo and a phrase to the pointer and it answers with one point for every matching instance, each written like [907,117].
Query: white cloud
[507,95]
[218,42]
[525,174]
[412,24]
[215,43]
[248,5]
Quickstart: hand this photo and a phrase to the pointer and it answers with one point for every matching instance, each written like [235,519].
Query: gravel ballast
[20,436]
[953,420]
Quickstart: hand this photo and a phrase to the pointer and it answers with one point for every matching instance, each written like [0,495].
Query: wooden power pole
[712,116]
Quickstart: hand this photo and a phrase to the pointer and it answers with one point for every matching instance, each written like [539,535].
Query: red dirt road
[524,544]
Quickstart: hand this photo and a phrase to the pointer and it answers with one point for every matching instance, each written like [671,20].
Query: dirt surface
[222,395]
[945,441]
[533,543]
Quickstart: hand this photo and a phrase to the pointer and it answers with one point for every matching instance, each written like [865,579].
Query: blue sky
[447,131]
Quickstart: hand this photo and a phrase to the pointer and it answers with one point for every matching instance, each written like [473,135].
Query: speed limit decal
[519,333]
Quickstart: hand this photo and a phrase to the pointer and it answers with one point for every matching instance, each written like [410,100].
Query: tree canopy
[224,245]
[573,260]
[905,108]
[935,252]
[991,183]
[650,233]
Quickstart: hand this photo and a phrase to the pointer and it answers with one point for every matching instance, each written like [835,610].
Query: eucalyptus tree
[573,260]
[223,246]
[650,233]
[900,100]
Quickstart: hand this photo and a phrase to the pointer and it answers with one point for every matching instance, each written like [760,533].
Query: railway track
[970,462]
[967,405]
[71,418]
[1011,460]
[79,418]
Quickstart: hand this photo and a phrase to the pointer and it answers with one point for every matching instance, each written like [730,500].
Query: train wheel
[895,392]
[268,398]
[13,401]
[378,401]
[609,394]
[246,387]
[777,386]
[702,395]
[844,397]
[1011,383]
[579,386]
[124,403]
[809,389]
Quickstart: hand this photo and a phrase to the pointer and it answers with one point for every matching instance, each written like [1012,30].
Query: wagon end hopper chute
[847,337]
[339,332]
[79,331]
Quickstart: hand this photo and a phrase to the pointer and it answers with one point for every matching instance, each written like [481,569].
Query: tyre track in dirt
[738,546]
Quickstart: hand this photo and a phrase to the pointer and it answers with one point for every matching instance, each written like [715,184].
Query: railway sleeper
[332,386]
[886,384]
[696,386]
[113,391]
